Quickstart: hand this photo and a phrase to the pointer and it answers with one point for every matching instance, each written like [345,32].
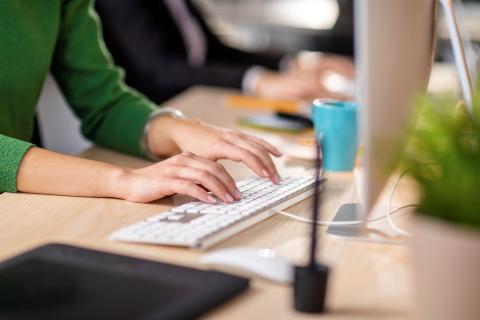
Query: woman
[62,36]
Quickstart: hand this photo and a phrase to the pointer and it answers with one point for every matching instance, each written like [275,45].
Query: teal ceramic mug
[336,122]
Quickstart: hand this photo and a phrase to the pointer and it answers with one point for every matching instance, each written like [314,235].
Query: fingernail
[265,173]
[229,197]
[212,199]
[277,178]
[237,194]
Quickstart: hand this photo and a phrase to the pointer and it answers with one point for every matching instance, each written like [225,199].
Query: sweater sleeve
[112,114]
[11,155]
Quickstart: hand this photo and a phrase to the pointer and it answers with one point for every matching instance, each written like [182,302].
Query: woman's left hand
[215,143]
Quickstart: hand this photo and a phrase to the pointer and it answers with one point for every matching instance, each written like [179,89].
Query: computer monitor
[395,51]
[395,46]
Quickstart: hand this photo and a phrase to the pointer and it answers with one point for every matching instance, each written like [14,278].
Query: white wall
[59,127]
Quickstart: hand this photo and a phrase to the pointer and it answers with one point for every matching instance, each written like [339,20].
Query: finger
[260,152]
[345,70]
[304,91]
[192,160]
[270,148]
[188,188]
[289,88]
[239,154]
[206,179]
[266,160]
[300,86]
[221,173]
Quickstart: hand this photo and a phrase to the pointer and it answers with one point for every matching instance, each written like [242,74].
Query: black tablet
[58,281]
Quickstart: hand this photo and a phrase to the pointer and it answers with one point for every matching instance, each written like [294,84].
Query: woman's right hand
[185,174]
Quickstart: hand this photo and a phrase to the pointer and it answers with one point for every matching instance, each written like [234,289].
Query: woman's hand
[186,174]
[213,143]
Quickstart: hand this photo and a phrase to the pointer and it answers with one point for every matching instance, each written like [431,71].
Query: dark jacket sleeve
[144,41]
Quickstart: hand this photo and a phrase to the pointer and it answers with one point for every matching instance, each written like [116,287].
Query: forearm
[46,172]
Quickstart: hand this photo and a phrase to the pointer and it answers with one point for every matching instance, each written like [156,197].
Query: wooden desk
[368,281]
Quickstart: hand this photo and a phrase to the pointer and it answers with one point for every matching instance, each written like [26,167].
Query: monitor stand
[348,212]
[360,232]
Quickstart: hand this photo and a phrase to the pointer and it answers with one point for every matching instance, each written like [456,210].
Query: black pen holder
[310,288]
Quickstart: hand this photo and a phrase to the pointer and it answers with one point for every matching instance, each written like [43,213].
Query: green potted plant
[443,157]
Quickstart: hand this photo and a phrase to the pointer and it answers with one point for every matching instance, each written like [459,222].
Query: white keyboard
[199,225]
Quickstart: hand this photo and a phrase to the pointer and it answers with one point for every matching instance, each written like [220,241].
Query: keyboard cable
[390,213]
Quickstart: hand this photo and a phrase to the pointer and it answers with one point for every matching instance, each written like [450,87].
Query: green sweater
[63,37]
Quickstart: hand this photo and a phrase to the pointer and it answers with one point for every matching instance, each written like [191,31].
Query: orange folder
[249,102]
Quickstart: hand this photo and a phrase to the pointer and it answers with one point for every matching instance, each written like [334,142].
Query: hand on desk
[275,85]
[213,143]
[333,75]
[186,174]
[317,63]
[193,172]
[309,76]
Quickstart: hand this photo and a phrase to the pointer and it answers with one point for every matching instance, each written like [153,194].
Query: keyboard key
[160,216]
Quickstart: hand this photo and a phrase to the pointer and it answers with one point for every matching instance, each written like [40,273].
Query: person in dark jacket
[165,46]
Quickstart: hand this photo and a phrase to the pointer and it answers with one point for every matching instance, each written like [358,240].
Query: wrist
[157,138]
[160,141]
[118,181]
